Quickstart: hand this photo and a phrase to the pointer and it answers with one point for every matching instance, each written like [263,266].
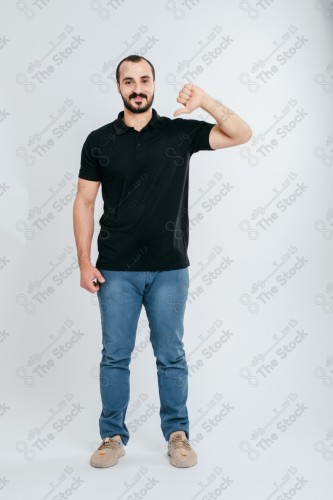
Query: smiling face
[136,86]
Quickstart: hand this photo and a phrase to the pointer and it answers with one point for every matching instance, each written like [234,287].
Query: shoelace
[108,443]
[179,442]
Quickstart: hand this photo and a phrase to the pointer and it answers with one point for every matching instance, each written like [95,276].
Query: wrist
[84,261]
[207,102]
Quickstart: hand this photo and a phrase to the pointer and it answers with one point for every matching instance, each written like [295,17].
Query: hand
[88,273]
[191,96]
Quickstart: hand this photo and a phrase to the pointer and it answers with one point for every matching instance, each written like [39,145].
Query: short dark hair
[134,58]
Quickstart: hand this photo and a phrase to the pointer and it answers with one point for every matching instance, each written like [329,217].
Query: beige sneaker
[108,452]
[180,451]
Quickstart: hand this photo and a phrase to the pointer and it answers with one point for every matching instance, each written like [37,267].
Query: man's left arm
[230,129]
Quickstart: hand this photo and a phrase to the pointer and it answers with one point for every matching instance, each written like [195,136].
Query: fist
[191,97]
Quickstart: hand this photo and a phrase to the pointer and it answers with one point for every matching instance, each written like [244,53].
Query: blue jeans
[120,297]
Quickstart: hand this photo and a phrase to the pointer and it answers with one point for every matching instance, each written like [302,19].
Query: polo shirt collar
[121,127]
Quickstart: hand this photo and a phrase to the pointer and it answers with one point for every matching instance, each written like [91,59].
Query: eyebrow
[131,78]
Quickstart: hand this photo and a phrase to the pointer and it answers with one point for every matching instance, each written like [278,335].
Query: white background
[258,334]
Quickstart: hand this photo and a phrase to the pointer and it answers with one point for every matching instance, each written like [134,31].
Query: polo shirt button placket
[136,136]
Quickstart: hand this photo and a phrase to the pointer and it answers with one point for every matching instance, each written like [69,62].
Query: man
[142,161]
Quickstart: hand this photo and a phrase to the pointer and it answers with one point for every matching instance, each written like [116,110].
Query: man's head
[136,83]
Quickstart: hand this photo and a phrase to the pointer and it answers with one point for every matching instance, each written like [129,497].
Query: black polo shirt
[144,179]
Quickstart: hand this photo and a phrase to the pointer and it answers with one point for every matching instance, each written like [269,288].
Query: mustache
[137,95]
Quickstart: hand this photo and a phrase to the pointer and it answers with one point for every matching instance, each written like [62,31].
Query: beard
[140,107]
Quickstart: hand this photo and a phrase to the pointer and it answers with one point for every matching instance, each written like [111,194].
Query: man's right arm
[83,222]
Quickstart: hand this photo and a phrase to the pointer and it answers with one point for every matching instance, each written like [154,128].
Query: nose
[137,88]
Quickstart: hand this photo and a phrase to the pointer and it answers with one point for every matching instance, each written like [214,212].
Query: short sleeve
[89,168]
[199,135]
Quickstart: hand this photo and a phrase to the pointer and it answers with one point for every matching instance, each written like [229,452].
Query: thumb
[180,111]
[99,276]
